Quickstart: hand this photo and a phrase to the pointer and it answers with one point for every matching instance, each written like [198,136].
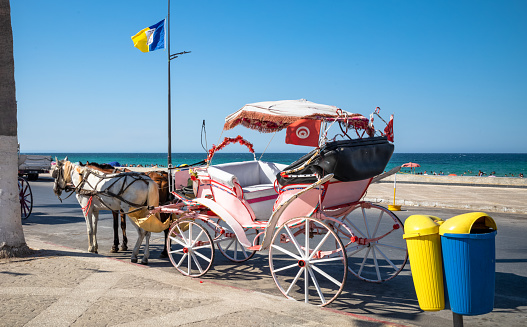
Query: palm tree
[12,241]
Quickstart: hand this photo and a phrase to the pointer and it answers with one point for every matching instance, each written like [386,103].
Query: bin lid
[421,225]
[468,223]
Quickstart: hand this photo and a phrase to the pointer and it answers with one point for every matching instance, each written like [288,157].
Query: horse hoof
[134,260]
[163,255]
[114,249]
[144,262]
[124,248]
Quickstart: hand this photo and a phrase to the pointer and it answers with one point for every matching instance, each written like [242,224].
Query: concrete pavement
[59,286]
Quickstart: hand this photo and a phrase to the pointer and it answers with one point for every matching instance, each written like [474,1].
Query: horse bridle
[58,174]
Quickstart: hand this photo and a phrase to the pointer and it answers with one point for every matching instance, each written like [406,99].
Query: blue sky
[454,73]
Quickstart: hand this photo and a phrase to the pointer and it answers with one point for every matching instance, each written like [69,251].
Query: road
[395,300]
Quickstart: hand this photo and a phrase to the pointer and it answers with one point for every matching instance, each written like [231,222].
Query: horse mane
[68,167]
[100,166]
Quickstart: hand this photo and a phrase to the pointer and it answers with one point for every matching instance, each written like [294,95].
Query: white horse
[131,192]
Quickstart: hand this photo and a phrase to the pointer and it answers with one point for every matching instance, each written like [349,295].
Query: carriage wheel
[190,248]
[379,252]
[26,198]
[229,245]
[308,266]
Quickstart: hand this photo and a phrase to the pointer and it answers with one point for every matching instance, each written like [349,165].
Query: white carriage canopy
[273,116]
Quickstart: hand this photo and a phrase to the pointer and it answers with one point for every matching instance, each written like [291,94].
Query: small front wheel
[308,261]
[190,248]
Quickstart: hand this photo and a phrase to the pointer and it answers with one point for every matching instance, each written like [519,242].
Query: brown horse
[161,179]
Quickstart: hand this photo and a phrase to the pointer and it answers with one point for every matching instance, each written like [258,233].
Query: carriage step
[254,248]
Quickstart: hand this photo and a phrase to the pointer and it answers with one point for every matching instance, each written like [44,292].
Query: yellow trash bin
[424,250]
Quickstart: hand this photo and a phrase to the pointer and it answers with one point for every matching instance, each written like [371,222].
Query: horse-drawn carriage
[308,217]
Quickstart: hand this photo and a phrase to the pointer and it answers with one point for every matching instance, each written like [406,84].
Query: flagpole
[169,99]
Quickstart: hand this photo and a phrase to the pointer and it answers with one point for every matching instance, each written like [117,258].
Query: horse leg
[89,216]
[94,222]
[146,252]
[124,247]
[140,236]
[115,247]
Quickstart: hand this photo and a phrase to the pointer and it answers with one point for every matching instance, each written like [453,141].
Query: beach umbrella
[411,165]
[114,164]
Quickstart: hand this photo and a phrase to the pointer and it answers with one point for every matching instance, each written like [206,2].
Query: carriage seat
[256,179]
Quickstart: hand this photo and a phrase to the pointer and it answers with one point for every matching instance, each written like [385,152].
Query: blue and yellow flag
[150,38]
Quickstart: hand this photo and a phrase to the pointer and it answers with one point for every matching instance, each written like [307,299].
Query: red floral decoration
[229,140]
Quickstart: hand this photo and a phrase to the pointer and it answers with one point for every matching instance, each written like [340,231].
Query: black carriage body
[349,160]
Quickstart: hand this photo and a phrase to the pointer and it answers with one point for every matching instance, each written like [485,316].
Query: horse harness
[101,177]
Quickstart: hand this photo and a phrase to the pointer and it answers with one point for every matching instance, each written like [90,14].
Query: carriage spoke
[204,246]
[320,271]
[293,239]
[182,259]
[196,262]
[315,282]
[196,239]
[326,260]
[306,239]
[230,244]
[306,285]
[183,235]
[293,283]
[358,249]
[377,225]
[319,245]
[287,267]
[364,261]
[189,265]
[286,251]
[177,240]
[204,257]
[388,260]
[365,222]
[350,223]
[376,264]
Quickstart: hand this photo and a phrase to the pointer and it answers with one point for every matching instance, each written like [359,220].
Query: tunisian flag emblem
[303,132]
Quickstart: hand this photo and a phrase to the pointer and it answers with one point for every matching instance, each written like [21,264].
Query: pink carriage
[308,217]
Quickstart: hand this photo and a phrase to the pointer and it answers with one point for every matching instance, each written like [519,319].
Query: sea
[468,164]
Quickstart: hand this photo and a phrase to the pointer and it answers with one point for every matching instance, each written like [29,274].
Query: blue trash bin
[469,260]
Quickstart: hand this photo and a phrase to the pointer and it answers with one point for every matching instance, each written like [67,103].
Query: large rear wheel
[379,252]
[190,248]
[308,261]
